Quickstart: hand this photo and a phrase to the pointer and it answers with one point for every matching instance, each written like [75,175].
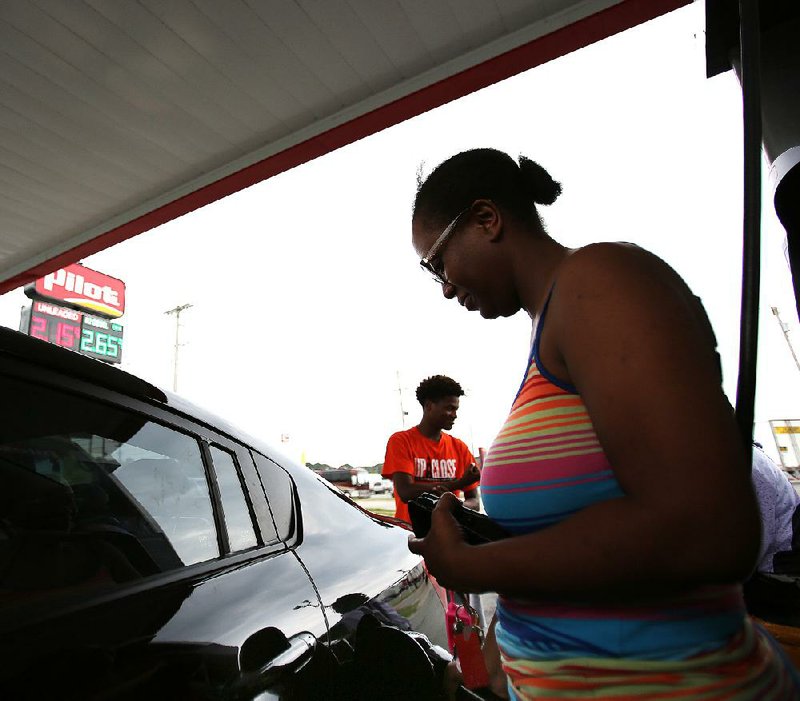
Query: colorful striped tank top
[546,464]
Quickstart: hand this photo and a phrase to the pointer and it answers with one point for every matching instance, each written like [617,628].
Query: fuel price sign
[54,324]
[101,338]
[83,333]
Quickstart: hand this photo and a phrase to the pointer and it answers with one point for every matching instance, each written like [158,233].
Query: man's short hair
[437,387]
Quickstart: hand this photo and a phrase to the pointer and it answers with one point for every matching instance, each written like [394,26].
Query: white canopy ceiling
[119,115]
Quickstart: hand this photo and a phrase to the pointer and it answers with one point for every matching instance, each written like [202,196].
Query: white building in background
[786,433]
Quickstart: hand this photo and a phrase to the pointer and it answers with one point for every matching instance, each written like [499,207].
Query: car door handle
[301,650]
[257,679]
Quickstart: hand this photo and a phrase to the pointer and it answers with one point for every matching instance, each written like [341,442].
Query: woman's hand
[445,552]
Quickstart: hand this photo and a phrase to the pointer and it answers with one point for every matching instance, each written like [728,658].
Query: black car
[149,550]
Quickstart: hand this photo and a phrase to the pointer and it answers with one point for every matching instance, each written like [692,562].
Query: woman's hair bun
[538,182]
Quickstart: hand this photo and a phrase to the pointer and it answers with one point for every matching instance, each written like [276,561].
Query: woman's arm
[498,682]
[623,328]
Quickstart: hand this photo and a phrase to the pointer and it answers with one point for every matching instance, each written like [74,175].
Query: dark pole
[749,43]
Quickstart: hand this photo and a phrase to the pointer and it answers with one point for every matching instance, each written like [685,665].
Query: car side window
[239,523]
[280,494]
[163,471]
[93,495]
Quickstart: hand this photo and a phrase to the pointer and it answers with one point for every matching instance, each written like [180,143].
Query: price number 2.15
[62,333]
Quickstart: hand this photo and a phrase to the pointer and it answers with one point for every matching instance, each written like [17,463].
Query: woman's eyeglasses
[432,261]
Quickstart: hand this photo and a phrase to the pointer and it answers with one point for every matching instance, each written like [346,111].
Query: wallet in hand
[476,527]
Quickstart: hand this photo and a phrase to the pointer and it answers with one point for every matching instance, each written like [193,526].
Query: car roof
[47,355]
[52,358]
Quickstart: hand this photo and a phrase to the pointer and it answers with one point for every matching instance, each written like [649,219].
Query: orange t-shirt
[425,460]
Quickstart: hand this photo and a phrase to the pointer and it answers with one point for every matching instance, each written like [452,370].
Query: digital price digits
[82,333]
[100,344]
[63,333]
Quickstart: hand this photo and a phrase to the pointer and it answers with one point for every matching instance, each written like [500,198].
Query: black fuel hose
[750,58]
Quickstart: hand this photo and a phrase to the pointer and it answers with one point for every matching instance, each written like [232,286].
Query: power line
[403,412]
[785,329]
[177,312]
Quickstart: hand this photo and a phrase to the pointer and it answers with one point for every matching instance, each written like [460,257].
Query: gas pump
[758,40]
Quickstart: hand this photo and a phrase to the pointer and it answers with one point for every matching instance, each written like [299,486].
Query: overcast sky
[308,301]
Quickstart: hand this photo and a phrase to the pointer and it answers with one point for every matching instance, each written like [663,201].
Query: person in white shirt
[777,503]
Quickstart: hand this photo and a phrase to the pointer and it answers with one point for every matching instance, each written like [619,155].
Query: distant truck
[380,485]
[353,481]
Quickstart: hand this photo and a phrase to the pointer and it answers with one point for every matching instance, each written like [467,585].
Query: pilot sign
[83,333]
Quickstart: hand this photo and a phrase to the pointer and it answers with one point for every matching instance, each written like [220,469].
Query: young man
[424,458]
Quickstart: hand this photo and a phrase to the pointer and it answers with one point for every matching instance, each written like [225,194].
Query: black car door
[135,559]
[385,614]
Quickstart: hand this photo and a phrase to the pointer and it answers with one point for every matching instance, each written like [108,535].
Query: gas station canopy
[117,116]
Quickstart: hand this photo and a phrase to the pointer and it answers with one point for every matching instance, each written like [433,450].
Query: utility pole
[785,329]
[403,412]
[177,312]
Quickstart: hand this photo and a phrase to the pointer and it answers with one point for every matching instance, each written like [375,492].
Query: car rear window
[280,494]
[239,523]
[92,496]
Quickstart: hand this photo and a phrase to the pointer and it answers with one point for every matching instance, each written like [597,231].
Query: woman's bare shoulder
[625,267]
[615,288]
[616,255]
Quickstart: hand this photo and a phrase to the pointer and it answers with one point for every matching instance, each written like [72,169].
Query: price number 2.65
[100,343]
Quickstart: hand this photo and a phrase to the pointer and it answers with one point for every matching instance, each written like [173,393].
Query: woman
[619,470]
